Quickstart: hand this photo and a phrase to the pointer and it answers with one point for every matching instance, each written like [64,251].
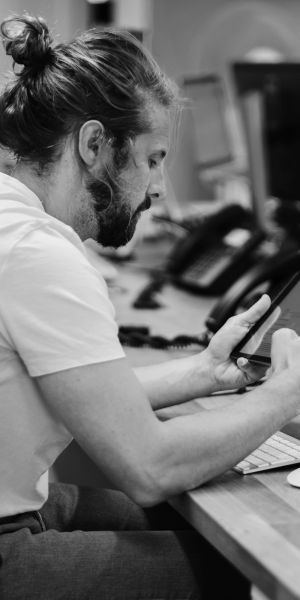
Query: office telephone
[267,276]
[205,262]
[216,251]
[245,275]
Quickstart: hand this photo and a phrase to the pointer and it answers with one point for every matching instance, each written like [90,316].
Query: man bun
[27,40]
[104,75]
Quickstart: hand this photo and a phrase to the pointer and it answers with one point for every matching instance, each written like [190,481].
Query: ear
[91,137]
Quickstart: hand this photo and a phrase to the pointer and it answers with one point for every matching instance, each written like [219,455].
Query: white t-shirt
[55,314]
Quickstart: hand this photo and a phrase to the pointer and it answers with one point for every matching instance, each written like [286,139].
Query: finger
[274,316]
[253,372]
[281,339]
[257,338]
[283,334]
[257,310]
[236,327]
[242,363]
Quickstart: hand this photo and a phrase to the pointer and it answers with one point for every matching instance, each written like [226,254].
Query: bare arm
[106,409]
[173,382]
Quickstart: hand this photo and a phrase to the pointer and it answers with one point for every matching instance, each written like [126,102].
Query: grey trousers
[95,544]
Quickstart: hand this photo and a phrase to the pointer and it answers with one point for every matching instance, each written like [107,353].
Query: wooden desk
[253,520]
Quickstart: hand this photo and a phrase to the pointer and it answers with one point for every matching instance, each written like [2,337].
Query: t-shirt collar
[12,188]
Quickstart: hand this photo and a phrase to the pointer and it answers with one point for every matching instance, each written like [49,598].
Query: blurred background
[191,38]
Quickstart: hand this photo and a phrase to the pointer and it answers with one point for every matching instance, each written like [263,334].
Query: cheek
[137,187]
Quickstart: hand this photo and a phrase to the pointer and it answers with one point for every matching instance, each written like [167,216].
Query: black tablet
[283,312]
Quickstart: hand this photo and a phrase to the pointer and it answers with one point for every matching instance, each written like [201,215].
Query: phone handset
[271,271]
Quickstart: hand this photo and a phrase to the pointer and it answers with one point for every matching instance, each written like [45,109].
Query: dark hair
[106,75]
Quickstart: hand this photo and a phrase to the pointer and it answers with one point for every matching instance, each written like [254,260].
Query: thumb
[255,312]
[253,372]
[236,327]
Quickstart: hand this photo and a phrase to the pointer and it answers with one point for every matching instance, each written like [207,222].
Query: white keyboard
[279,450]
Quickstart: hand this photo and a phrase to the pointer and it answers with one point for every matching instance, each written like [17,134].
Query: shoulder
[50,261]
[54,305]
[46,243]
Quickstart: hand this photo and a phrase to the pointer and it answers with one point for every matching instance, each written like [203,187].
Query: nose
[157,186]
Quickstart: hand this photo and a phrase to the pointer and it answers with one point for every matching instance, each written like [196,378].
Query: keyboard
[279,450]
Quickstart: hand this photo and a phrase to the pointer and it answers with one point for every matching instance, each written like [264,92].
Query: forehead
[158,138]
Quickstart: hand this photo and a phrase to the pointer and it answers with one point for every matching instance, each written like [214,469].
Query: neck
[36,183]
[57,187]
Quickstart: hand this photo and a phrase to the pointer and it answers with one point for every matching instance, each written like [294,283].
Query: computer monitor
[277,85]
[207,102]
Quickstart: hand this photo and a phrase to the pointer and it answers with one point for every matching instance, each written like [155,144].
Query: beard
[115,220]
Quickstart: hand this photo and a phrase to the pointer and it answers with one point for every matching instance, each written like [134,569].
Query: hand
[228,374]
[285,360]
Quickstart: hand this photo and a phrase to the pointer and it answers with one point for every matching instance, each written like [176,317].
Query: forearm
[177,380]
[201,446]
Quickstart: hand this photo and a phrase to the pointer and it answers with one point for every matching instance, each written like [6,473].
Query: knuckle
[285,333]
[232,319]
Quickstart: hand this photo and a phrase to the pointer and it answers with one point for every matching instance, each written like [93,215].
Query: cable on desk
[139,336]
[147,297]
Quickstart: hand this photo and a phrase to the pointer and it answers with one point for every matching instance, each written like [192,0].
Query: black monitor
[278,85]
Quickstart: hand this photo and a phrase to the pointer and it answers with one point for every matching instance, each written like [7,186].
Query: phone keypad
[208,266]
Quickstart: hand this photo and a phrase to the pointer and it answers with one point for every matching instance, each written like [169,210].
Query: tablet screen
[283,312]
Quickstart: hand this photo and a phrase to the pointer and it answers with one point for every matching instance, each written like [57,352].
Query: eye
[152,163]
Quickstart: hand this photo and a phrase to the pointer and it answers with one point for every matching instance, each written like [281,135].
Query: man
[89,123]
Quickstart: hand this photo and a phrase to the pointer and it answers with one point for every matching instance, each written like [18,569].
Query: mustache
[145,205]
[104,191]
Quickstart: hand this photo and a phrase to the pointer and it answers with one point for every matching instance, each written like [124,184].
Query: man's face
[119,195]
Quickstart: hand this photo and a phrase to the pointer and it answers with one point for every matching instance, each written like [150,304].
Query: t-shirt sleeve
[55,307]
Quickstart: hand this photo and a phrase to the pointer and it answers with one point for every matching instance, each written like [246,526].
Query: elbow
[151,487]
[145,497]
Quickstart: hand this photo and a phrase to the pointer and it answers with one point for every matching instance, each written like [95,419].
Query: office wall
[200,36]
[204,33]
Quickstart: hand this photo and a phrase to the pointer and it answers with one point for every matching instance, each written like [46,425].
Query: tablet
[283,312]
